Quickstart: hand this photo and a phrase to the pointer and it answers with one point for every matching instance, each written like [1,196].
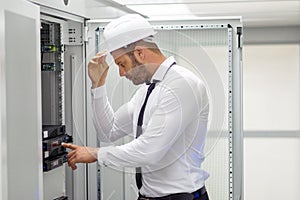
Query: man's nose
[122,71]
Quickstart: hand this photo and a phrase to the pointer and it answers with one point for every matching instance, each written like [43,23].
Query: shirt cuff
[102,155]
[98,92]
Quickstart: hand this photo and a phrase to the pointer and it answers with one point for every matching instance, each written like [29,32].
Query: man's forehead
[120,52]
[119,55]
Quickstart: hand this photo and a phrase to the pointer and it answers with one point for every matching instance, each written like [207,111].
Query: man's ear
[139,53]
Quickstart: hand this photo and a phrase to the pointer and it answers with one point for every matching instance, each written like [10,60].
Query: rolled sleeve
[102,155]
[111,156]
[98,92]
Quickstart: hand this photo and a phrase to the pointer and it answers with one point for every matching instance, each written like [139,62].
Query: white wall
[271,168]
[271,87]
[271,121]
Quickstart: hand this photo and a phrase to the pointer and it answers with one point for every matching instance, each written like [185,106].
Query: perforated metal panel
[203,49]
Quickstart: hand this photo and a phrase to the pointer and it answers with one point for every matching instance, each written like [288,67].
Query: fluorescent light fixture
[166,10]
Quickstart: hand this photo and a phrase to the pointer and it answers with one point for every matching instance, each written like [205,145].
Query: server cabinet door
[20,136]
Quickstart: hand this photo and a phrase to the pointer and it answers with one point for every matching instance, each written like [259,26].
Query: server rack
[61,42]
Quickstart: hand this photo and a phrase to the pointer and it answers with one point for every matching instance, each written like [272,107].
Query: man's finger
[102,53]
[101,59]
[71,154]
[96,58]
[68,145]
[94,61]
[72,161]
[73,166]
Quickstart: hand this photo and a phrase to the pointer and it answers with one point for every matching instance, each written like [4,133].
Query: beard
[138,73]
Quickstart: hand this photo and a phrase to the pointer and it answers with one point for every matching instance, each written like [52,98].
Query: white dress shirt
[170,150]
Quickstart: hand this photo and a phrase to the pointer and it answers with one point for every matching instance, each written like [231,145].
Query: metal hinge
[239,32]
[86,34]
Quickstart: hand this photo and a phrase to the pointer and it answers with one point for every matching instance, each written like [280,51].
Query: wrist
[96,150]
[96,85]
[100,83]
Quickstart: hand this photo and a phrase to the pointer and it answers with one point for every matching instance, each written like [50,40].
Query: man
[167,116]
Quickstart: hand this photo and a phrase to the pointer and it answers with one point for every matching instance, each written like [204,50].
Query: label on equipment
[45,134]
[46,154]
[55,163]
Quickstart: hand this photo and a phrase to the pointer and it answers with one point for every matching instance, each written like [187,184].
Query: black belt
[178,196]
[199,192]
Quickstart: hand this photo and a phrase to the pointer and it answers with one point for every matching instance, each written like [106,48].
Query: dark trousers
[197,195]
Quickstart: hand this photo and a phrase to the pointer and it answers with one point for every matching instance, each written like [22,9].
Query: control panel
[54,155]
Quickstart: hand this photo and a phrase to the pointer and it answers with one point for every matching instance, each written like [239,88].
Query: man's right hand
[97,69]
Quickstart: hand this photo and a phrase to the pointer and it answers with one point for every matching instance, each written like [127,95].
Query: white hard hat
[126,30]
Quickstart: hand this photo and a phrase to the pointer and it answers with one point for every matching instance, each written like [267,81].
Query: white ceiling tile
[254,12]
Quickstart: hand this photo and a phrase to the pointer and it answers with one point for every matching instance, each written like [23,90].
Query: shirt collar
[163,69]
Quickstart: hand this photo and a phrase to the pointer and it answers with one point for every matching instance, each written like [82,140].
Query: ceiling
[255,13]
